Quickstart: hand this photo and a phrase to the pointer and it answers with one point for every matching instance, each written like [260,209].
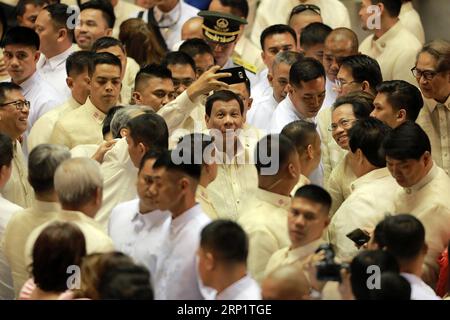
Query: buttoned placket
[444,130]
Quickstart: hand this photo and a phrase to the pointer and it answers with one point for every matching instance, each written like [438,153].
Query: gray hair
[440,50]
[43,161]
[76,181]
[122,116]
[287,57]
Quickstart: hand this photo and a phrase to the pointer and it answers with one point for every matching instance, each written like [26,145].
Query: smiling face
[225,116]
[13,122]
[308,97]
[20,61]
[342,119]
[92,27]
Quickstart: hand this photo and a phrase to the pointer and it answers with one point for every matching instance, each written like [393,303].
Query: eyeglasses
[341,83]
[303,7]
[19,104]
[186,82]
[343,123]
[427,74]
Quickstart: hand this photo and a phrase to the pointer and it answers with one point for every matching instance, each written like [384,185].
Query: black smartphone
[359,237]
[237,75]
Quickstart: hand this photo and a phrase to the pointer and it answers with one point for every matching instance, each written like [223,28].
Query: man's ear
[289,88]
[62,33]
[209,261]
[142,148]
[124,132]
[365,86]
[37,54]
[310,151]
[270,79]
[109,32]
[137,97]
[69,82]
[427,157]
[401,115]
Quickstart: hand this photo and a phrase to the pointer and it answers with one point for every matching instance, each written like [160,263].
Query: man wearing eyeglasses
[14,111]
[391,44]
[432,72]
[269,12]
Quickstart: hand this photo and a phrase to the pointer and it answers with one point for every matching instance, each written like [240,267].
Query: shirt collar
[172,14]
[389,36]
[94,111]
[432,104]
[425,180]
[236,288]
[303,251]
[370,177]
[179,222]
[406,7]
[46,206]
[28,84]
[149,218]
[59,59]
[274,199]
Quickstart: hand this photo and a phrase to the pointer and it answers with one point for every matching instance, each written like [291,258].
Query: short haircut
[314,34]
[58,246]
[151,71]
[43,161]
[393,286]
[276,29]
[361,102]
[78,62]
[6,150]
[105,7]
[59,15]
[199,142]
[440,50]
[287,57]
[316,194]
[407,141]
[392,6]
[404,235]
[238,7]
[227,240]
[364,68]
[178,57]
[106,125]
[149,129]
[403,95]
[168,160]
[271,149]
[5,88]
[77,180]
[359,266]
[151,154]
[121,118]
[305,70]
[103,58]
[302,133]
[222,95]
[21,5]
[368,136]
[107,42]
[345,34]
[195,46]
[302,8]
[21,36]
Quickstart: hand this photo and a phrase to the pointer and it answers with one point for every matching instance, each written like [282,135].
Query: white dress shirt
[53,71]
[330,94]
[419,289]
[176,276]
[244,289]
[261,85]
[410,19]
[7,209]
[135,233]
[174,19]
[260,114]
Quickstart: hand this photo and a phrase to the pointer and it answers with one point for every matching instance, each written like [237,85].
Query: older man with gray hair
[79,186]
[42,163]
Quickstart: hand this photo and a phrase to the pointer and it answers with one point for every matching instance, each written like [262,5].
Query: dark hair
[21,36]
[312,8]
[392,6]
[302,133]
[105,7]
[393,286]
[178,57]
[60,14]
[407,141]
[378,234]
[21,5]
[190,167]
[364,68]
[276,29]
[404,235]
[150,129]
[200,143]
[151,71]
[150,154]
[125,281]
[6,87]
[305,70]
[227,240]
[271,149]
[368,136]
[195,46]
[238,7]
[107,42]
[106,125]
[359,267]
[222,95]
[314,193]
[361,102]
[403,95]
[58,246]
[313,34]
[6,150]
[103,58]
[78,62]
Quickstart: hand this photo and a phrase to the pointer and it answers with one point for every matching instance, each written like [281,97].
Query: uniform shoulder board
[247,66]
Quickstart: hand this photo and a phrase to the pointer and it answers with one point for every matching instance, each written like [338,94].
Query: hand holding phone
[359,237]
[238,75]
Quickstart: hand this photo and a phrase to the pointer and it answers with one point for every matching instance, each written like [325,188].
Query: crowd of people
[222,149]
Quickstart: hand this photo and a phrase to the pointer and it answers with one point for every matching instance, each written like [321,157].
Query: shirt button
[408,190]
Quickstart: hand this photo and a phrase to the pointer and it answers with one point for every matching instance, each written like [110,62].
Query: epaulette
[247,66]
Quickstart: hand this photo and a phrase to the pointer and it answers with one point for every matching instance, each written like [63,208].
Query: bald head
[286,283]
[192,28]
[340,43]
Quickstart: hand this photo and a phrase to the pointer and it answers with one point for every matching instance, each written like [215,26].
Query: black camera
[328,269]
